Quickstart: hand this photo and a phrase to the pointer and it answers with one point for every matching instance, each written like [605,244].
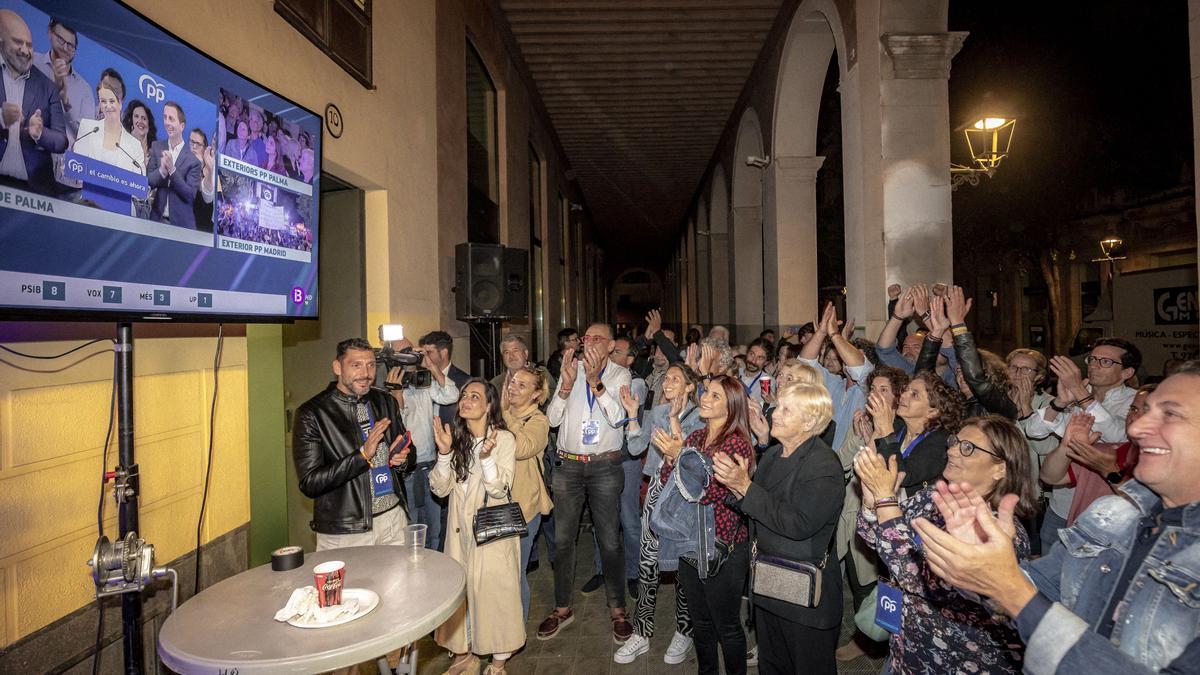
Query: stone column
[719,277]
[747,285]
[792,251]
[915,130]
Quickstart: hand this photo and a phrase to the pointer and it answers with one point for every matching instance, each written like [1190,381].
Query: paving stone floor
[586,646]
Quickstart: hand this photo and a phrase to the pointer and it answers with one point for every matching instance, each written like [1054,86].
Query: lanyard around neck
[591,398]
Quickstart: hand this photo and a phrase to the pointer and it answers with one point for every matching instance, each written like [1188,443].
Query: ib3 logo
[152,89]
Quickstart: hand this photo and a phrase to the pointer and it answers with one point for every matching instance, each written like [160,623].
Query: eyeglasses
[1103,361]
[967,448]
[62,43]
[592,338]
[1022,370]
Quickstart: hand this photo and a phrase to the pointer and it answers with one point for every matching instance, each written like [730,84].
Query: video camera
[419,377]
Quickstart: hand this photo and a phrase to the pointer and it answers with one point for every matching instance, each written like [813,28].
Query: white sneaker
[678,651]
[634,647]
[752,656]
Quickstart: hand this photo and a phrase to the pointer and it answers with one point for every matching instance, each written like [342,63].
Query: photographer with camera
[416,389]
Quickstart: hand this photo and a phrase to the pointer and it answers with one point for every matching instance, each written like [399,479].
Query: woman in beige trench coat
[477,456]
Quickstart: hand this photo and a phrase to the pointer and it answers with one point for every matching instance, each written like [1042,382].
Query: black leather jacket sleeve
[323,462]
[927,359]
[991,397]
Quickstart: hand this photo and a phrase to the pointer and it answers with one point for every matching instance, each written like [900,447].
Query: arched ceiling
[639,92]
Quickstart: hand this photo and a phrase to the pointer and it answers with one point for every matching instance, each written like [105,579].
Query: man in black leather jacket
[351,453]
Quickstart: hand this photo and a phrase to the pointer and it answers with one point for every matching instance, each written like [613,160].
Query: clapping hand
[442,436]
[593,362]
[10,113]
[920,299]
[630,401]
[35,125]
[670,444]
[1070,379]
[568,372]
[863,427]
[708,358]
[733,471]
[167,163]
[904,306]
[374,437]
[1021,393]
[883,415]
[758,423]
[489,444]
[1082,451]
[879,478]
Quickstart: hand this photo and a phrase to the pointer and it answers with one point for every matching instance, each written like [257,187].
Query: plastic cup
[414,539]
[765,383]
[330,578]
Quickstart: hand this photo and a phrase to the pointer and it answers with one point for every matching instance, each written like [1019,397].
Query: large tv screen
[141,179]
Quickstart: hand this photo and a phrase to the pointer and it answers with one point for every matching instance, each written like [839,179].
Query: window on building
[340,28]
[483,162]
[537,224]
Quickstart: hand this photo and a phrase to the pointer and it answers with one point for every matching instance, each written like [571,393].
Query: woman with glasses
[940,630]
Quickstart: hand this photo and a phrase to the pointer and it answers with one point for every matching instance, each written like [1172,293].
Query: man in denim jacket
[1120,593]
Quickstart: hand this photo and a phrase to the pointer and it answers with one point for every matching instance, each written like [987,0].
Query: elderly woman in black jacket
[982,375]
[794,502]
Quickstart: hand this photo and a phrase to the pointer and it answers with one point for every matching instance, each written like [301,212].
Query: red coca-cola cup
[330,578]
[765,383]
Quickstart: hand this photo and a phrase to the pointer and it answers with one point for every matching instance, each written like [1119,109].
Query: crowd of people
[988,514]
[259,137]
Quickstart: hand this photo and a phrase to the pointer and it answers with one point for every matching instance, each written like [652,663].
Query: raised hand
[568,372]
[670,444]
[708,359]
[920,299]
[883,415]
[489,444]
[1021,393]
[653,323]
[692,357]
[593,362]
[893,291]
[1070,378]
[957,306]
[1079,427]
[442,436]
[758,423]
[35,124]
[629,401]
[864,428]
[904,307]
[938,321]
[375,436]
[1083,451]
[848,329]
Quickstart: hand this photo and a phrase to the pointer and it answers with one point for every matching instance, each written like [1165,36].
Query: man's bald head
[16,42]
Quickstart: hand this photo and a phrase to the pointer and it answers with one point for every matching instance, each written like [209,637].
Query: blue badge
[381,481]
[591,432]
[887,607]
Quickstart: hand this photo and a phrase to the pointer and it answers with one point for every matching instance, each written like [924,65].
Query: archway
[746,245]
[791,254]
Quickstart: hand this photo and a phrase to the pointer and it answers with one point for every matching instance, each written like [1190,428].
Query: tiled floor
[586,646]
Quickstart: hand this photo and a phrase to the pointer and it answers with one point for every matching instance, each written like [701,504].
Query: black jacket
[985,396]
[794,504]
[924,465]
[325,443]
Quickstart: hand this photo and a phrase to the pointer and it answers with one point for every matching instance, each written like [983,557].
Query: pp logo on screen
[74,165]
[298,296]
[151,89]
[887,604]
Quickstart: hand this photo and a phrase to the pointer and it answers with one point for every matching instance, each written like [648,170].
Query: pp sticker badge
[381,481]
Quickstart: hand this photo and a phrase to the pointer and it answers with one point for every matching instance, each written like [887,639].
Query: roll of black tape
[287,558]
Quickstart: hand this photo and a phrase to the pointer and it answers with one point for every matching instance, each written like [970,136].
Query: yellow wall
[51,436]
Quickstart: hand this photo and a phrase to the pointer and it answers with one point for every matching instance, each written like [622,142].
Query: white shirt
[753,384]
[418,414]
[13,162]
[1110,417]
[605,410]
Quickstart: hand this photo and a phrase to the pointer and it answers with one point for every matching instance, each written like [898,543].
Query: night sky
[1102,93]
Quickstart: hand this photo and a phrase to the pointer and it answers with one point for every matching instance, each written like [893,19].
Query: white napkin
[303,605]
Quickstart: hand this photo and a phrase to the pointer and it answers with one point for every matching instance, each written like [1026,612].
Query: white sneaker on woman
[634,647]
[678,651]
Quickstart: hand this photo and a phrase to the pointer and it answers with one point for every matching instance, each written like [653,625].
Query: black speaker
[490,282]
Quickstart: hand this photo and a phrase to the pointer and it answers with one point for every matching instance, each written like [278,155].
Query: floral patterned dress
[941,632]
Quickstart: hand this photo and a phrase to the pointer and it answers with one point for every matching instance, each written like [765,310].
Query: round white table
[231,627]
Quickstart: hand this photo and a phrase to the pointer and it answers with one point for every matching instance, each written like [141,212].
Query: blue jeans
[424,507]
[1051,524]
[631,519]
[527,544]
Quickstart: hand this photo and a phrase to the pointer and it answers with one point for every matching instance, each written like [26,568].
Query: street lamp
[988,139]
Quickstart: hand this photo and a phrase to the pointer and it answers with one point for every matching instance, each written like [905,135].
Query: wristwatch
[1114,477]
[599,388]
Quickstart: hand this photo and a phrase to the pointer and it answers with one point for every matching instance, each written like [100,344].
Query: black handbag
[501,521]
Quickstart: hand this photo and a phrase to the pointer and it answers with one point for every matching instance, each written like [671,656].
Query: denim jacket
[1160,615]
[682,524]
